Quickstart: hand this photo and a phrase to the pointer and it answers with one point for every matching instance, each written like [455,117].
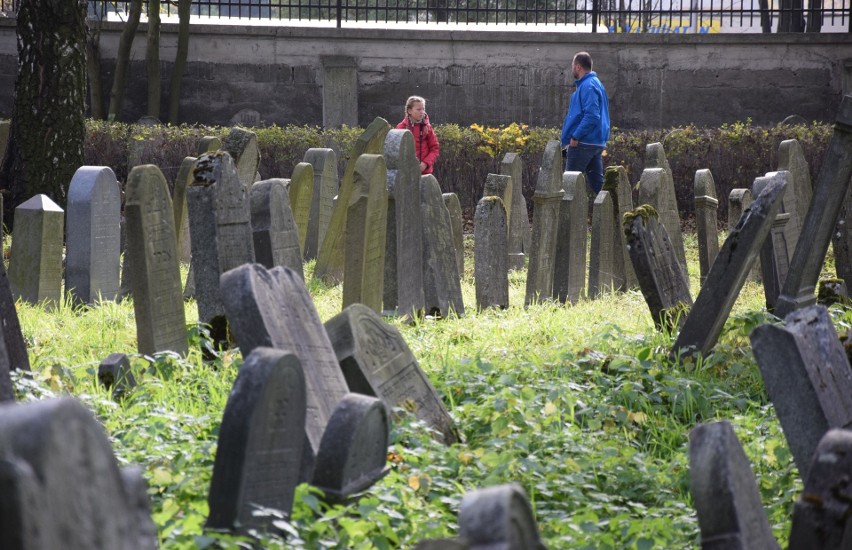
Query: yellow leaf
[465,457]
[637,417]
[414,482]
[549,409]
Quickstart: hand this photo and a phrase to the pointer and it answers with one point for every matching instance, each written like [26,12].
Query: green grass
[579,404]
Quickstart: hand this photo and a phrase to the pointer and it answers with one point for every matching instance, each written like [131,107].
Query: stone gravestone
[738,202]
[152,251]
[547,200]
[114,374]
[520,236]
[569,272]
[774,256]
[35,270]
[841,240]
[502,187]
[451,200]
[499,517]
[10,327]
[830,188]
[621,193]
[807,377]
[182,181]
[92,247]
[241,144]
[724,492]
[207,144]
[441,279]
[797,200]
[821,514]
[706,205]
[246,117]
[376,361]
[260,442]
[7,390]
[274,232]
[272,308]
[403,288]
[329,266]
[661,279]
[366,230]
[220,224]
[490,257]
[728,273]
[300,192]
[606,268]
[320,198]
[62,484]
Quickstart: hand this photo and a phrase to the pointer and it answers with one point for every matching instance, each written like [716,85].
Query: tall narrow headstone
[92,248]
[499,517]
[547,201]
[774,255]
[738,202]
[241,144]
[376,361]
[260,442]
[490,269]
[724,491]
[706,205]
[366,230]
[320,198]
[569,273]
[604,257]
[797,199]
[451,200]
[152,251]
[727,275]
[621,193]
[403,292]
[35,270]
[830,188]
[441,280]
[501,186]
[273,230]
[301,192]
[520,235]
[656,189]
[182,181]
[330,257]
[807,377]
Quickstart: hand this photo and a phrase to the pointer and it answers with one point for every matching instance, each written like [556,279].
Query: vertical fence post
[339,12]
[595,14]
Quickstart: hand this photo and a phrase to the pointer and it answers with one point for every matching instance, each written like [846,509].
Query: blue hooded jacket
[587,120]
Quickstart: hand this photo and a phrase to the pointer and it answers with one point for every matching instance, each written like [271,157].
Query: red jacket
[425,141]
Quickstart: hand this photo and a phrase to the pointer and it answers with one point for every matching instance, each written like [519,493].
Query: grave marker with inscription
[520,235]
[323,189]
[621,193]
[300,193]
[241,144]
[451,200]
[774,255]
[706,205]
[490,269]
[656,189]
[605,275]
[441,279]
[569,273]
[35,269]
[547,200]
[797,199]
[274,232]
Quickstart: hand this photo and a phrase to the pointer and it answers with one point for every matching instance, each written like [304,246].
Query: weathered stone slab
[274,232]
[728,273]
[366,230]
[656,188]
[62,487]
[403,285]
[832,291]
[498,517]
[260,442]
[207,144]
[807,377]
[621,193]
[821,514]
[115,375]
[451,200]
[7,390]
[35,269]
[301,192]
[241,144]
[830,188]
[152,251]
[775,254]
[330,258]
[841,239]
[441,279]
[490,269]
[501,186]
[182,181]
[724,491]
[376,361]
[738,202]
[706,205]
[569,273]
[547,200]
[322,192]
[520,235]
[605,273]
[797,199]
[10,327]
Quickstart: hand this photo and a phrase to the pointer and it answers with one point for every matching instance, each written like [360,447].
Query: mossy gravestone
[276,239]
[300,190]
[35,269]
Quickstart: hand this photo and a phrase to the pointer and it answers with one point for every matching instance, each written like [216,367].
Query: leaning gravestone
[152,251]
[655,185]
[728,273]
[606,268]
[661,278]
[830,188]
[621,193]
[706,205]
[300,192]
[403,288]
[376,361]
[272,308]
[569,272]
[547,199]
[320,198]
[274,232]
[724,492]
[441,278]
[35,270]
[775,254]
[490,269]
[10,327]
[62,484]
[520,236]
[807,377]
[207,144]
[241,144]
[499,517]
[92,247]
[182,181]
[738,202]
[366,230]
[260,442]
[451,200]
[330,259]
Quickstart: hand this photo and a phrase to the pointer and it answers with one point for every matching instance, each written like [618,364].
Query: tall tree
[122,59]
[153,58]
[180,59]
[48,122]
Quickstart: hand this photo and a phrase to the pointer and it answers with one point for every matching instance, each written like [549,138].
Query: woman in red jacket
[425,142]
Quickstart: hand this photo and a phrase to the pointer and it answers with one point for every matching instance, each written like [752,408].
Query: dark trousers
[587,159]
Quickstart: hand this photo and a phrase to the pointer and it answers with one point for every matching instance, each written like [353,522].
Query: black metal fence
[648,16]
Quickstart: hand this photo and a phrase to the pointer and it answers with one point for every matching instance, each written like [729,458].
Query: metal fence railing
[648,16]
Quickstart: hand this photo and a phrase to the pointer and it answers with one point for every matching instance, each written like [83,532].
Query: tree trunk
[153,58]
[122,59]
[765,17]
[814,16]
[180,59]
[48,121]
[792,19]
[93,68]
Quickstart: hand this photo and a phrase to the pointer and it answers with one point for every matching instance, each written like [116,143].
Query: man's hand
[573,142]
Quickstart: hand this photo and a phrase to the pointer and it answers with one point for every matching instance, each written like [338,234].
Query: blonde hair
[412,100]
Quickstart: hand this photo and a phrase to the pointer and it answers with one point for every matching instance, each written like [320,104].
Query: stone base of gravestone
[115,375]
[832,291]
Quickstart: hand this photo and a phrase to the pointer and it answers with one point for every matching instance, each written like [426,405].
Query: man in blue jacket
[586,128]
